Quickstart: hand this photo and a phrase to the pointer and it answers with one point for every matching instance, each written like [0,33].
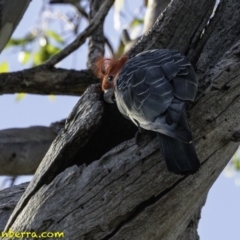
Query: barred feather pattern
[152,90]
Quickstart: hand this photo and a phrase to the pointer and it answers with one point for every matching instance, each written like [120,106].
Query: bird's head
[108,69]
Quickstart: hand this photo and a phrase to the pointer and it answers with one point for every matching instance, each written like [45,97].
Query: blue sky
[221,214]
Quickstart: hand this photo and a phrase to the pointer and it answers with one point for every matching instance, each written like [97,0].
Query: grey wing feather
[184,89]
[152,90]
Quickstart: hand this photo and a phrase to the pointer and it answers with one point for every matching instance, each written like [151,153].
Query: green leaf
[16,42]
[44,53]
[136,22]
[4,67]
[52,49]
[237,164]
[55,36]
[20,96]
[52,97]
[13,42]
[37,58]
[23,57]
[41,56]
[236,161]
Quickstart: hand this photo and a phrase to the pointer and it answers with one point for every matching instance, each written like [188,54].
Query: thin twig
[94,23]
[109,45]
[81,10]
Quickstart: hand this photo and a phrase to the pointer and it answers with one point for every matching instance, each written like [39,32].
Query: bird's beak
[108,95]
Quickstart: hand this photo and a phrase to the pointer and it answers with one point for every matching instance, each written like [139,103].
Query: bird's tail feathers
[183,131]
[180,157]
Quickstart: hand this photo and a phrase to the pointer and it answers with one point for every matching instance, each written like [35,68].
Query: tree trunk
[96,183]
[11,12]
[8,201]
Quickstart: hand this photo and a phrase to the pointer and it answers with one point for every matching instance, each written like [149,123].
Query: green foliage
[44,53]
[4,67]
[52,97]
[15,42]
[236,161]
[232,170]
[24,57]
[136,22]
[20,96]
[52,34]
[38,47]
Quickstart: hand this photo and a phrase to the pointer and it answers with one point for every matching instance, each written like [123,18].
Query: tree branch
[97,39]
[47,81]
[94,23]
[22,149]
[168,32]
[125,192]
[211,44]
[74,3]
[128,193]
[81,10]
[88,110]
[191,231]
[109,45]
[11,12]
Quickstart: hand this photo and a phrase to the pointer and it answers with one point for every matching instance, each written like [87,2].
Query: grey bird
[152,89]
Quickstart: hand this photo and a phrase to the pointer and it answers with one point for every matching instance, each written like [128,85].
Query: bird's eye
[110,78]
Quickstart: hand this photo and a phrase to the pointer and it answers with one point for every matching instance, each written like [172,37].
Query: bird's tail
[180,157]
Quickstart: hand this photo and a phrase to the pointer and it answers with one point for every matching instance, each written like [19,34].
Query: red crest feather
[105,67]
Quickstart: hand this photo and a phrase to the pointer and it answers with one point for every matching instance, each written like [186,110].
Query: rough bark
[123,191]
[219,37]
[191,231]
[128,193]
[8,201]
[167,32]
